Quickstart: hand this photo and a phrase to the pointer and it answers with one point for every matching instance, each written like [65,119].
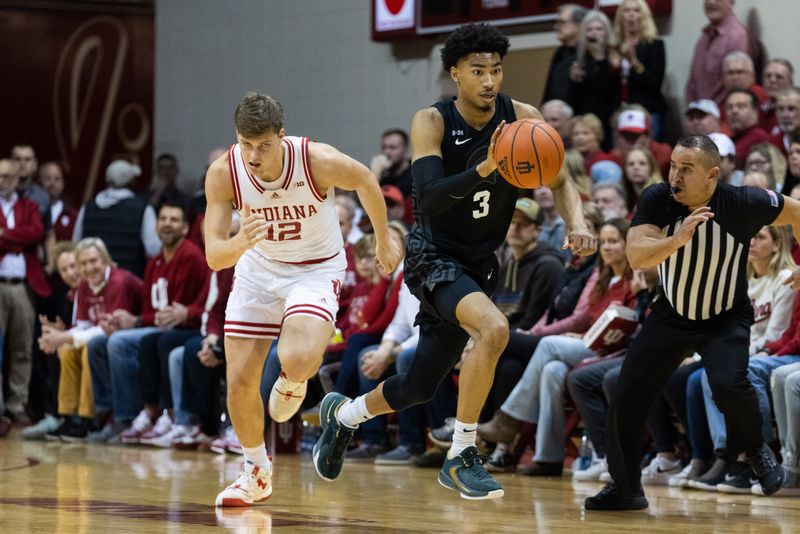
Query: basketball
[529,153]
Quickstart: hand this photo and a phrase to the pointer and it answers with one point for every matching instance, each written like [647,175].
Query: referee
[697,232]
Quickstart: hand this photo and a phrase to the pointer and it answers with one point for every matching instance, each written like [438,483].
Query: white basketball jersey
[303,224]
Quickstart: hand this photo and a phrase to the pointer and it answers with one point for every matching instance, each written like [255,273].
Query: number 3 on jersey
[482,198]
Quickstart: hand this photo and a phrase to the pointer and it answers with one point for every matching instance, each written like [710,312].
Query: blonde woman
[767,158]
[639,55]
[594,82]
[639,171]
[586,133]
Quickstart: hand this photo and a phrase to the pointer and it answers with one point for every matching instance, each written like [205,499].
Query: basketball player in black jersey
[462,210]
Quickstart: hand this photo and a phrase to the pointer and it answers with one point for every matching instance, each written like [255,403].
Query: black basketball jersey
[708,275]
[477,224]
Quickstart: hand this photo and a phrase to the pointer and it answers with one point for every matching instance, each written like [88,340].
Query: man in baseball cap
[702,117]
[633,131]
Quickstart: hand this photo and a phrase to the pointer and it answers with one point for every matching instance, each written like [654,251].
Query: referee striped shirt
[708,275]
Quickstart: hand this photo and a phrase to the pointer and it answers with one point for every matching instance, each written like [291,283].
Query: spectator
[165,183]
[529,269]
[722,35]
[739,73]
[28,165]
[102,289]
[765,158]
[606,171]
[640,172]
[67,269]
[566,27]
[21,233]
[553,229]
[793,172]
[639,56]
[172,281]
[741,110]
[345,209]
[123,220]
[778,77]
[786,399]
[633,131]
[558,113]
[395,202]
[702,117]
[538,397]
[62,216]
[197,204]
[346,201]
[594,84]
[393,165]
[757,179]
[573,164]
[610,200]
[586,133]
[728,173]
[787,115]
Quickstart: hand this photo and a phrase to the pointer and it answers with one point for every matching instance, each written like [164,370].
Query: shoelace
[762,462]
[607,489]
[474,462]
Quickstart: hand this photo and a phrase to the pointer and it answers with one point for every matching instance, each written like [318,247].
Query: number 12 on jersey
[286,231]
[482,198]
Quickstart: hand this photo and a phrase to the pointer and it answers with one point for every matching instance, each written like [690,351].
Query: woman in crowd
[640,171]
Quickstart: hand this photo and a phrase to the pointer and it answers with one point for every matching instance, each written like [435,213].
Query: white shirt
[12,265]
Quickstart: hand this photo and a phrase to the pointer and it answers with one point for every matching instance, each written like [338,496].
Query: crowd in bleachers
[112,322]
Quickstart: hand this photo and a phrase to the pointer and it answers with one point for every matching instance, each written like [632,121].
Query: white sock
[463,437]
[257,456]
[354,412]
[284,384]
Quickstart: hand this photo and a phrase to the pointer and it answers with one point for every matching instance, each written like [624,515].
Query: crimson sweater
[179,280]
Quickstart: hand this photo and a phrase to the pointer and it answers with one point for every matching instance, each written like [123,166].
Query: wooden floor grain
[83,489]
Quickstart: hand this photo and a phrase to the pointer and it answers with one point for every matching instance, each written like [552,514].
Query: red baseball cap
[392,193]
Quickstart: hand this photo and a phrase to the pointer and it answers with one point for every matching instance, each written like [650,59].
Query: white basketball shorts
[265,292]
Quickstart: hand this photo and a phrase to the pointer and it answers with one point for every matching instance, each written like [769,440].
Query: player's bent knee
[300,366]
[494,332]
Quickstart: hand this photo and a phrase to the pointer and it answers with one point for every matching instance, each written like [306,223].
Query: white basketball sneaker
[253,485]
[283,401]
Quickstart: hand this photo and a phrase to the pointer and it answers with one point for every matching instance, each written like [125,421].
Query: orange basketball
[529,153]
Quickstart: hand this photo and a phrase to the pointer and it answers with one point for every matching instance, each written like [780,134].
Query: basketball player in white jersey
[290,264]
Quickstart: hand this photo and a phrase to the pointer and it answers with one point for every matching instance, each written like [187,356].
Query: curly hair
[471,38]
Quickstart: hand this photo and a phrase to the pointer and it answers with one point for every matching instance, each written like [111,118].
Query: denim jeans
[101,374]
[697,423]
[182,417]
[758,372]
[539,395]
[123,362]
[786,399]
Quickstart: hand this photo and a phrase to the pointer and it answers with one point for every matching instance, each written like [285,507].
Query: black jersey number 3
[482,198]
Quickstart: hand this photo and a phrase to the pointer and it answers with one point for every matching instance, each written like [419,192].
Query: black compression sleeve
[437,192]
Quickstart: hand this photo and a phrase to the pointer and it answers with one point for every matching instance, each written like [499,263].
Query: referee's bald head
[711,157]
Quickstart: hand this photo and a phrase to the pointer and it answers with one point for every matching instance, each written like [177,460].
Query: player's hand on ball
[254,227]
[388,255]
[489,165]
[582,242]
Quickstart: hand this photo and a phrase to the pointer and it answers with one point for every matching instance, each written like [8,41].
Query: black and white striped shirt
[707,276]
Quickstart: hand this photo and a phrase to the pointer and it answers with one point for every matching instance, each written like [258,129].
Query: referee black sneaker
[611,498]
[770,473]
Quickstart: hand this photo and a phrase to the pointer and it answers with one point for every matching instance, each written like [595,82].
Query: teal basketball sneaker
[330,448]
[465,473]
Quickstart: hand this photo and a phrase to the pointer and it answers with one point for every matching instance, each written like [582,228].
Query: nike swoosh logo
[470,430]
[462,141]
[728,478]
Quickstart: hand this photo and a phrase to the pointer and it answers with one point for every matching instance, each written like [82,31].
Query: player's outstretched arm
[566,198]
[437,192]
[330,168]
[223,251]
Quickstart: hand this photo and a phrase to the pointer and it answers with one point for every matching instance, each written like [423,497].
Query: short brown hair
[257,114]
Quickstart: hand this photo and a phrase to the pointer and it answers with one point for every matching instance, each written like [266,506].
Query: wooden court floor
[82,489]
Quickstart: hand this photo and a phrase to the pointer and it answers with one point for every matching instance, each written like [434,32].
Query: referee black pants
[665,340]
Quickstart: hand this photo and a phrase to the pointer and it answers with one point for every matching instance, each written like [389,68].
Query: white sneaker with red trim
[253,485]
[283,401]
